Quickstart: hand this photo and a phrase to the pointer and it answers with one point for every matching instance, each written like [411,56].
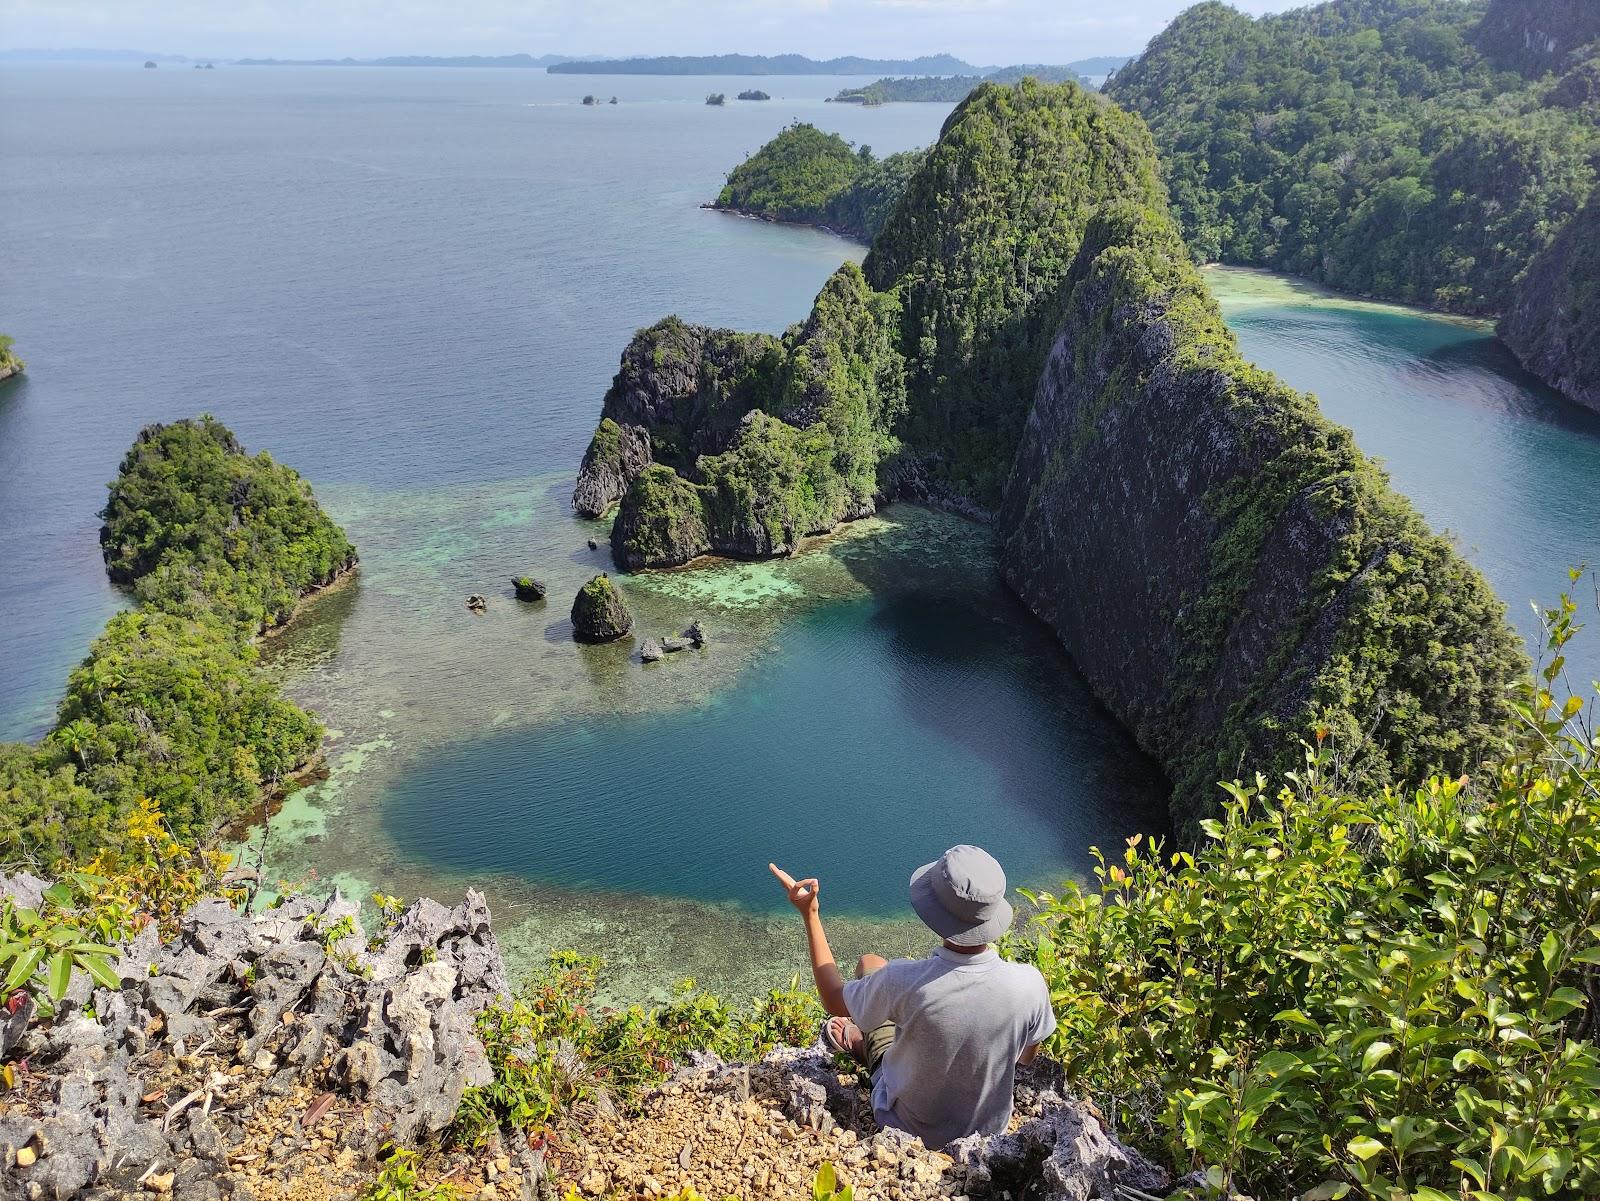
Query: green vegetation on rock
[598,614]
[10,364]
[814,178]
[749,443]
[170,703]
[1243,593]
[197,526]
[1365,143]
[978,248]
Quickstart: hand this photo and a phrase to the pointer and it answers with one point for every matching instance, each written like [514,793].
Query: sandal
[835,1035]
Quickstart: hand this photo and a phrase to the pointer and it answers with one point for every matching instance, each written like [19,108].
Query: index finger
[784,877]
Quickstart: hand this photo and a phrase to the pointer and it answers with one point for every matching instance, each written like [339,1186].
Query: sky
[981,31]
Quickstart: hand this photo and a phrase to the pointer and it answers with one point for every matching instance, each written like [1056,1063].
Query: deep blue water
[869,736]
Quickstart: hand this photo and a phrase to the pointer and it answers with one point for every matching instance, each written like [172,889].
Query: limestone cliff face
[1536,36]
[1223,564]
[679,392]
[1553,325]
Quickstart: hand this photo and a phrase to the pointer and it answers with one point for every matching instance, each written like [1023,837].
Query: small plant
[551,1047]
[42,949]
[398,1180]
[389,910]
[825,1186]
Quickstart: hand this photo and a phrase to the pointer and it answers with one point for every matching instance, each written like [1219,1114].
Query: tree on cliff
[1368,145]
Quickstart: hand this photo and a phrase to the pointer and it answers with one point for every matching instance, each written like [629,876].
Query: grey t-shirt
[961,1021]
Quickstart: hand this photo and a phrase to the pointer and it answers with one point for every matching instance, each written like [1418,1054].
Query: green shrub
[1377,995]
[551,1046]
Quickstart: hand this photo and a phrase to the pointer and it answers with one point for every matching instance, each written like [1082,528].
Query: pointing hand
[802,893]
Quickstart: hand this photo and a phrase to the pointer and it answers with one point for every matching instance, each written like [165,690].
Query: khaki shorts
[876,1042]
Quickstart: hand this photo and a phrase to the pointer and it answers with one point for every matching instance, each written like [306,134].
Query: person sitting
[941,1037]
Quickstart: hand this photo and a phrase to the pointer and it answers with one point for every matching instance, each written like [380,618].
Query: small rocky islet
[10,364]
[527,588]
[598,612]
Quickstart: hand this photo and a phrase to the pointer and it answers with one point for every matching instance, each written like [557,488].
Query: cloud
[982,31]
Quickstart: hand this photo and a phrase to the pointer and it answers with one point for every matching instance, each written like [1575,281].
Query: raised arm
[803,896]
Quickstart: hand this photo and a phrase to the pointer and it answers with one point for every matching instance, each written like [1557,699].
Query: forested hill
[1369,144]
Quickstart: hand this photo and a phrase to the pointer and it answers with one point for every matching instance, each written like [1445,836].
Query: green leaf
[25,966]
[1364,1147]
[1374,1055]
[59,974]
[1328,1190]
[100,968]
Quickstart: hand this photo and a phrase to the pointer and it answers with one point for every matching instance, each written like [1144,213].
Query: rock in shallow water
[527,588]
[598,614]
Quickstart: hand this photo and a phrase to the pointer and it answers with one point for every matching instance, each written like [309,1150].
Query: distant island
[754,94]
[413,60]
[761,64]
[948,89]
[9,363]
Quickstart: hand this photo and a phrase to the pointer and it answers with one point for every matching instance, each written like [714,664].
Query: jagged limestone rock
[403,1012]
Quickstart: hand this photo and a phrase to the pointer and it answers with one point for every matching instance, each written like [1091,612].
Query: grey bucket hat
[962,896]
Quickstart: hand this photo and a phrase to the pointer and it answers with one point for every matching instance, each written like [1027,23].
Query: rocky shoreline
[848,235]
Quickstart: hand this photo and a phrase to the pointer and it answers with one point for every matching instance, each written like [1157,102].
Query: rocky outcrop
[679,393]
[598,614]
[10,364]
[757,442]
[1553,325]
[762,1130]
[1536,36]
[527,588]
[165,1081]
[1223,564]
